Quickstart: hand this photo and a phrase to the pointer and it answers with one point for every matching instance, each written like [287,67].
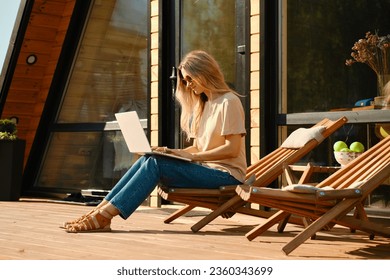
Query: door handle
[241,49]
[173,79]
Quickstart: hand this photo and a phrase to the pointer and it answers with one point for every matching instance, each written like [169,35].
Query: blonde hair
[205,71]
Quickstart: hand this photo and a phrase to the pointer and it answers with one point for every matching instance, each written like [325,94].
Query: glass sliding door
[109,75]
[218,27]
[211,26]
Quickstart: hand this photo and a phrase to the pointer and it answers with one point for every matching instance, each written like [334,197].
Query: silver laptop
[135,137]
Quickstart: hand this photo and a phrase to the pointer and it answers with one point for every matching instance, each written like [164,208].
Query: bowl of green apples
[344,154]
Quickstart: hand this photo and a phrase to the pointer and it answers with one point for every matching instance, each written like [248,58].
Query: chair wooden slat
[265,171]
[351,185]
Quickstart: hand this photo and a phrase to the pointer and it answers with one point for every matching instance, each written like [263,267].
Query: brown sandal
[75,221]
[98,222]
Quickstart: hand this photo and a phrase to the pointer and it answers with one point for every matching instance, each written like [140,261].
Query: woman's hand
[177,152]
[181,153]
[160,149]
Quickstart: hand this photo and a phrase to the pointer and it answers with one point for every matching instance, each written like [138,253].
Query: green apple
[337,146]
[345,150]
[357,147]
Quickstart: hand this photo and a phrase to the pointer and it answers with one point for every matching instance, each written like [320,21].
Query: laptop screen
[133,132]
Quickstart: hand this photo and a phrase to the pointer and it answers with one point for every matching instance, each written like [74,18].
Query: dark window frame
[269,75]
[48,122]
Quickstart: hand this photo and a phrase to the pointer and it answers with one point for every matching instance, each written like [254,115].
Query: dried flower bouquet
[373,51]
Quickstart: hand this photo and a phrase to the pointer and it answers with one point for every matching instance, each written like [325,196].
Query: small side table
[307,172]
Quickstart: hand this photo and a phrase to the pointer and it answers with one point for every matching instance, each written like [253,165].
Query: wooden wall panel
[30,84]
[41,33]
[25,70]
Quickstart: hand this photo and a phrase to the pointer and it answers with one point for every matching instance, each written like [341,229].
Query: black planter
[11,169]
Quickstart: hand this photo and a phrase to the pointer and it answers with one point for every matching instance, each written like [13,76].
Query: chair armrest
[338,194]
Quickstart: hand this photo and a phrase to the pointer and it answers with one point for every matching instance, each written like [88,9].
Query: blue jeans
[149,171]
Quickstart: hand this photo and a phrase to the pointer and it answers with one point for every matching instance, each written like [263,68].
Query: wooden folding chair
[224,201]
[330,201]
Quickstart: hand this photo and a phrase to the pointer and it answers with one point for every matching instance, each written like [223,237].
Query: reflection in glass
[210,25]
[109,75]
[320,35]
[85,160]
[110,71]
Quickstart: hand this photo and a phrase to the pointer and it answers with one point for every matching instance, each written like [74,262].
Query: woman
[213,115]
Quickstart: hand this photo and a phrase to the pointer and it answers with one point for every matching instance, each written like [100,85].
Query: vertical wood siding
[255,79]
[30,84]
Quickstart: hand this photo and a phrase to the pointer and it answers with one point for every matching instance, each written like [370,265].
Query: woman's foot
[75,221]
[97,221]
[69,223]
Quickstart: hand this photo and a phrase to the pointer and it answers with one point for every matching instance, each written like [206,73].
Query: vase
[382,81]
[383,91]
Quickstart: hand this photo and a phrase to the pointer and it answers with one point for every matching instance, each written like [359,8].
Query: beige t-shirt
[223,116]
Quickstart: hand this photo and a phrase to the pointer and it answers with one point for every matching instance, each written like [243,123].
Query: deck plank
[30,231]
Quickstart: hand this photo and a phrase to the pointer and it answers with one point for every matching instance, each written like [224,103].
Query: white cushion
[356,184]
[301,136]
[301,188]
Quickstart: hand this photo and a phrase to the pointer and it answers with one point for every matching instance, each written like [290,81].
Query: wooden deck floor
[29,230]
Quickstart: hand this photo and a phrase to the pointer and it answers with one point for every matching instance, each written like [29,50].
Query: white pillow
[356,184]
[301,188]
[301,136]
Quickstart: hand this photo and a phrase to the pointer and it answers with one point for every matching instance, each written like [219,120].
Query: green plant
[8,130]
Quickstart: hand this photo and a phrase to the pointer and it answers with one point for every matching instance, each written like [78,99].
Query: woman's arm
[229,149]
[192,149]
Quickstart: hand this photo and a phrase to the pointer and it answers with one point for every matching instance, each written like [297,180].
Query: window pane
[210,25]
[85,160]
[318,40]
[110,73]
[320,35]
